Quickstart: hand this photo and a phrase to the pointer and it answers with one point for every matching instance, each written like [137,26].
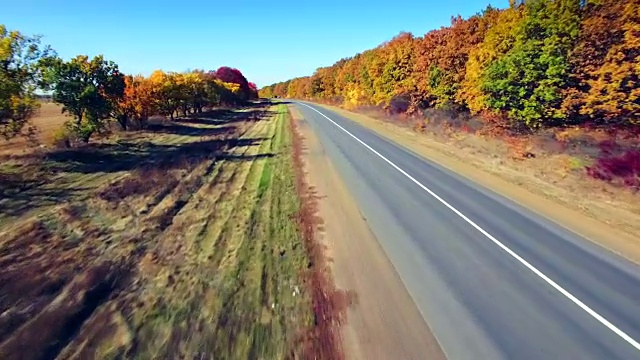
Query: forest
[537,63]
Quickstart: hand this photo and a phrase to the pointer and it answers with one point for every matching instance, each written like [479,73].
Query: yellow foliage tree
[498,40]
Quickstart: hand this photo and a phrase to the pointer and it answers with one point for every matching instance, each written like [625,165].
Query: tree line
[94,91]
[537,63]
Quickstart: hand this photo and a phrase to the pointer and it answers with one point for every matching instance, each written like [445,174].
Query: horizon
[175,44]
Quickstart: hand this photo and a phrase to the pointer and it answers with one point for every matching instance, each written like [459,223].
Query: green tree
[88,90]
[20,60]
[528,81]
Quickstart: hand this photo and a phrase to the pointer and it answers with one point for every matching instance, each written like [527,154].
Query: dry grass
[47,120]
[177,243]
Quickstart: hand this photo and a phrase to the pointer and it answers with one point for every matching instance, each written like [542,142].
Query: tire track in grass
[263,306]
[184,288]
[226,206]
[216,194]
[194,215]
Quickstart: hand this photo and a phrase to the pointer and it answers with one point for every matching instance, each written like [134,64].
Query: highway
[492,279]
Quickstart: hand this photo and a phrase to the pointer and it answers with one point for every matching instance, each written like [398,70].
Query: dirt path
[383,323]
[608,223]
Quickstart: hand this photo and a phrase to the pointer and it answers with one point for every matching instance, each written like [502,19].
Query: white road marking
[524,262]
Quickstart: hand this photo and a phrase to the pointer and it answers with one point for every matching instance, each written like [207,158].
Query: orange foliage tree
[606,74]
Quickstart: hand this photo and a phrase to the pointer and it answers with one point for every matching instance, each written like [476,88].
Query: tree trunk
[86,136]
[123,120]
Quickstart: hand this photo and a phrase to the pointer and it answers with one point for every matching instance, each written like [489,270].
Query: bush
[399,105]
[62,138]
[623,168]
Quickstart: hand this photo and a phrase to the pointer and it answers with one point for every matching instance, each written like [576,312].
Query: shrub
[623,168]
[62,137]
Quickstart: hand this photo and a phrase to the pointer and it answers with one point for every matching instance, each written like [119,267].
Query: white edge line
[524,262]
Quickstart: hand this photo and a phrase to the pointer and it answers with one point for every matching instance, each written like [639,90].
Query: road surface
[492,279]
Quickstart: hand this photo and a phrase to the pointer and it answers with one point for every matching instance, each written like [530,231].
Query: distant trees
[173,94]
[538,62]
[94,91]
[21,59]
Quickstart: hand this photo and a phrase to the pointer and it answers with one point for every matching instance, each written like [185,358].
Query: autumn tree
[503,26]
[280,89]
[21,58]
[266,92]
[170,90]
[235,76]
[253,89]
[426,60]
[138,102]
[606,76]
[395,61]
[88,90]
[528,81]
[450,53]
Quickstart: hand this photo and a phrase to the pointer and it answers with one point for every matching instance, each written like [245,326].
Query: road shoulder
[383,322]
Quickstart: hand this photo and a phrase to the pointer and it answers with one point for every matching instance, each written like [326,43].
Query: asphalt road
[492,279]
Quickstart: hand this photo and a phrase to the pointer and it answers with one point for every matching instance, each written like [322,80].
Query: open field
[47,120]
[178,242]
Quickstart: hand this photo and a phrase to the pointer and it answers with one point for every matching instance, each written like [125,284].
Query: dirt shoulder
[383,321]
[605,215]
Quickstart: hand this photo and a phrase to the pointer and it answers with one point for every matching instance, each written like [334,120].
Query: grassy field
[178,242]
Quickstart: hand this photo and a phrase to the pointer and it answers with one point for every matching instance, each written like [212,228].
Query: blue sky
[268,40]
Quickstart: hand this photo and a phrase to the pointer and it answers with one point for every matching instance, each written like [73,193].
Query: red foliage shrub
[624,168]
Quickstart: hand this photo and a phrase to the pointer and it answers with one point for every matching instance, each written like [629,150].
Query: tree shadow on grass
[125,156]
[58,170]
[19,195]
[235,157]
[226,116]
[184,130]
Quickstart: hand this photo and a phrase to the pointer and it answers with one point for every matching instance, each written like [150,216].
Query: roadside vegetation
[182,241]
[154,217]
[544,78]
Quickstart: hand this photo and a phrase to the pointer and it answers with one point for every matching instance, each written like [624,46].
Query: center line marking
[524,262]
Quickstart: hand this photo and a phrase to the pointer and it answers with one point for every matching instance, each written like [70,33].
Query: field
[47,120]
[181,241]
